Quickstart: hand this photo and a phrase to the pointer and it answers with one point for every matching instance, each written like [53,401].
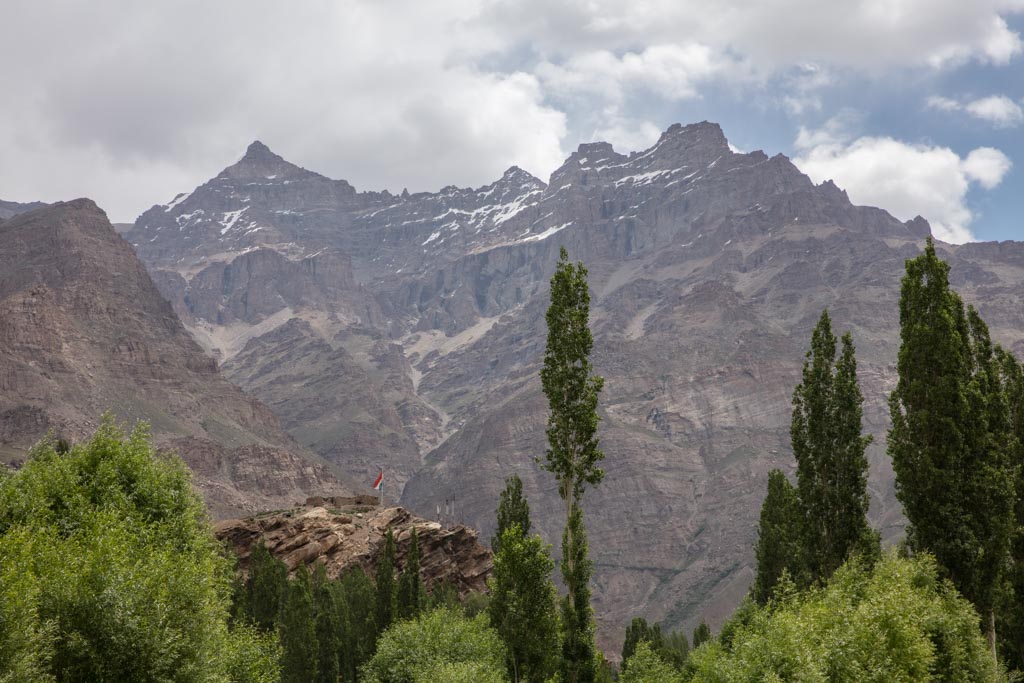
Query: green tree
[701,634]
[523,605]
[410,585]
[359,600]
[647,666]
[387,590]
[603,671]
[676,649]
[949,435]
[779,537]
[893,621]
[109,571]
[298,630]
[1011,609]
[329,630]
[266,587]
[829,447]
[444,594]
[512,509]
[638,632]
[573,455]
[438,646]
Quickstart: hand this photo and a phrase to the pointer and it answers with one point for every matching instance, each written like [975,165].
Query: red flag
[379,481]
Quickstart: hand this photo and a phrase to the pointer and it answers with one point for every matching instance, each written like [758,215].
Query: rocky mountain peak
[919,227]
[517,177]
[258,150]
[699,142]
[260,162]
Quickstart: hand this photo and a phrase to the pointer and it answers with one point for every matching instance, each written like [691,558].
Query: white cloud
[603,87]
[905,179]
[674,72]
[775,34]
[627,135]
[130,102]
[986,166]
[999,110]
[943,103]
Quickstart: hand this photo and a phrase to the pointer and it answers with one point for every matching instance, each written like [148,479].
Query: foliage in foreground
[523,605]
[895,622]
[673,648]
[646,666]
[442,645]
[109,572]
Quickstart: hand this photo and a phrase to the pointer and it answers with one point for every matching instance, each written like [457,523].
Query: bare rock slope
[83,330]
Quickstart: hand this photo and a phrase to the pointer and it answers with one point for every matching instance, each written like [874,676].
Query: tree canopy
[897,621]
[113,573]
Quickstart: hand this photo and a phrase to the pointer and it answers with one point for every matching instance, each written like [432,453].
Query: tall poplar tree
[573,454]
[328,627]
[387,592]
[949,435]
[639,631]
[410,585]
[361,609]
[1011,613]
[701,634]
[266,588]
[779,537]
[523,606]
[829,447]
[299,645]
[513,509]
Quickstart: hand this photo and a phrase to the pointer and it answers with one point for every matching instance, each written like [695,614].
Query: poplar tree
[701,634]
[573,454]
[266,588]
[328,627]
[361,609]
[639,631]
[387,597]
[949,436]
[410,586]
[523,606]
[829,448]
[1011,612]
[298,632]
[779,537]
[513,509]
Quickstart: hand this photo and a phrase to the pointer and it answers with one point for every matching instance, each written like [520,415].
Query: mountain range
[407,330]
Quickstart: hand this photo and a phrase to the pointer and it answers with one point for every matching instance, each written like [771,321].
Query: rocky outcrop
[353,536]
[83,331]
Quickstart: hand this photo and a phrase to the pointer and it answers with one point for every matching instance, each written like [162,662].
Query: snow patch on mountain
[230,218]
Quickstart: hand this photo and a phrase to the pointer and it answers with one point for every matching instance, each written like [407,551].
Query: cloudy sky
[916,106]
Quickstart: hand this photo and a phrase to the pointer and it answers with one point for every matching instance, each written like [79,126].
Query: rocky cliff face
[354,537]
[708,269]
[84,330]
[11,209]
